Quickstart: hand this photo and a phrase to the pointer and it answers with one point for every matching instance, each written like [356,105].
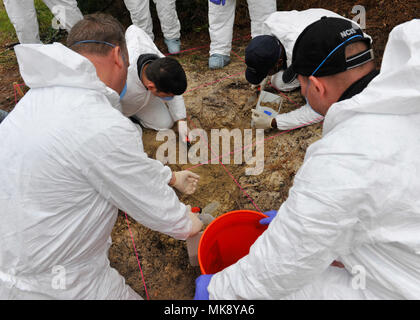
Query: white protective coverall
[222,17]
[69,159]
[22,14]
[150,110]
[166,11]
[287,26]
[355,200]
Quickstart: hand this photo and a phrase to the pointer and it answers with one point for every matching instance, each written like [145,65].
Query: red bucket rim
[215,221]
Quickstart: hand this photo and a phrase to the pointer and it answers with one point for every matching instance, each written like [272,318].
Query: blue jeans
[3,115]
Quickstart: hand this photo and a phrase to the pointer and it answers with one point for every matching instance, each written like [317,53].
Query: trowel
[205,215]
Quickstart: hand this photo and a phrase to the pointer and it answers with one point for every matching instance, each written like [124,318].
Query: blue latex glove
[201,284]
[271,214]
[222,2]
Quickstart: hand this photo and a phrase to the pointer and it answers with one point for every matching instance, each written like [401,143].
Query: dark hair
[167,75]
[100,27]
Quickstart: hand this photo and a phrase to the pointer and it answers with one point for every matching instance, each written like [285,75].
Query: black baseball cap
[261,55]
[320,49]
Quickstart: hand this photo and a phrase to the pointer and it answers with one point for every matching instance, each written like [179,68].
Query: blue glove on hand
[271,214]
[219,2]
[201,284]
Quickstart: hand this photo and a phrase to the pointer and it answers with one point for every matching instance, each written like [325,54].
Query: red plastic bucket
[228,238]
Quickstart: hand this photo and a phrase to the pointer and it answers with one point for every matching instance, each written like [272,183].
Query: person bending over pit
[268,55]
[70,159]
[354,202]
[155,84]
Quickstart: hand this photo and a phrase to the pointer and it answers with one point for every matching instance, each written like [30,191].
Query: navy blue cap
[261,55]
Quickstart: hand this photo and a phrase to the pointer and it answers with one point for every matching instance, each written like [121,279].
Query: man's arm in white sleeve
[300,117]
[123,174]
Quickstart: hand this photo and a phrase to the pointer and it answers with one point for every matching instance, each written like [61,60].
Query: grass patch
[7,31]
[8,34]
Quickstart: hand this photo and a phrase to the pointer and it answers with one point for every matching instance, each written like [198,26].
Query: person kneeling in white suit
[154,85]
[76,160]
[350,226]
[268,55]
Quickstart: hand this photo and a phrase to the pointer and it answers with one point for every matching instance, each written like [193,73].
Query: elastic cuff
[173,177]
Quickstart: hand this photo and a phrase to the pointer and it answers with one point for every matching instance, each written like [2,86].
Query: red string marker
[137,256]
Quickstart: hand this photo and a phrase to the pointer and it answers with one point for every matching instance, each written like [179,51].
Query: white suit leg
[303,116]
[155,115]
[168,17]
[259,12]
[22,14]
[66,11]
[333,284]
[221,19]
[112,286]
[140,15]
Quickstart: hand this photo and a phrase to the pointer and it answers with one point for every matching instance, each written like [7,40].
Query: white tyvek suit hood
[354,200]
[55,65]
[399,78]
[70,160]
